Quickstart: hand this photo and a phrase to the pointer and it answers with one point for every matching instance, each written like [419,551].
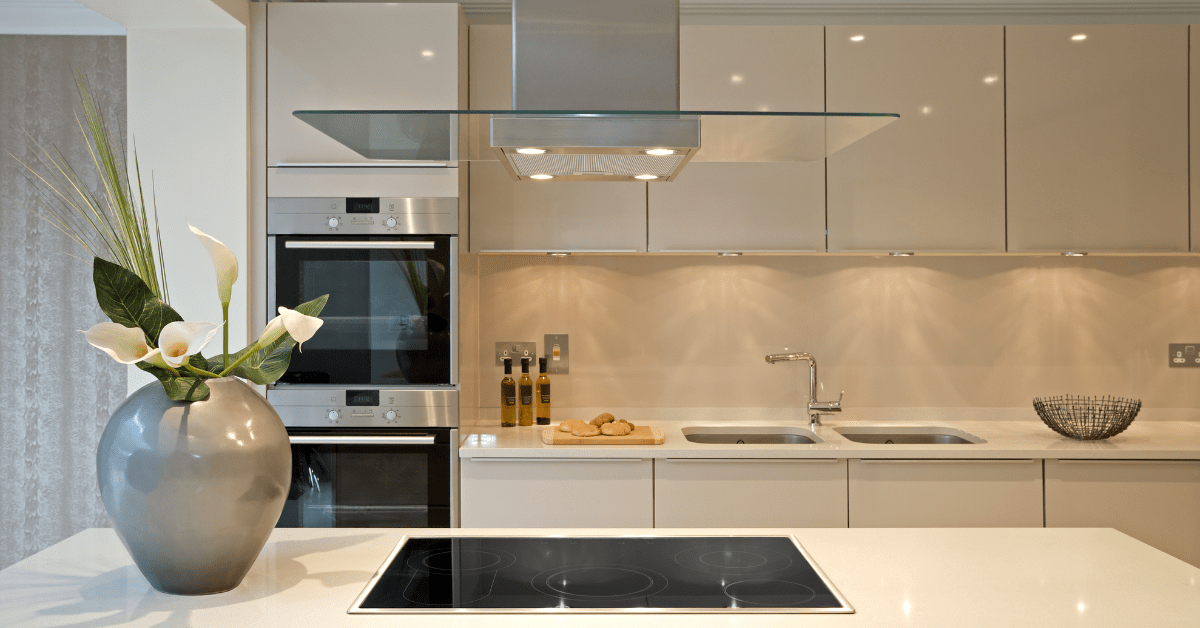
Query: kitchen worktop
[1143,440]
[892,577]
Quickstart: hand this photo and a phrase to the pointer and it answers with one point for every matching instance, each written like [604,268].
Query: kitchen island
[892,577]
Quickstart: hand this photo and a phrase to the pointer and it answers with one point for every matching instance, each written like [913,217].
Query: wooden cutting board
[641,435]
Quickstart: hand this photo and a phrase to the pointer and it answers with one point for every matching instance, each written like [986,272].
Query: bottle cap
[541,365]
[508,366]
[525,364]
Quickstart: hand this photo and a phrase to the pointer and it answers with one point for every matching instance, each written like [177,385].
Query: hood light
[531,151]
[646,177]
[660,151]
[541,177]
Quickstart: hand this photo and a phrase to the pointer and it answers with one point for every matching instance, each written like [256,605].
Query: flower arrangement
[131,288]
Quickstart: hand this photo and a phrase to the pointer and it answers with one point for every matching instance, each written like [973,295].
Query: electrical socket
[516,350]
[557,364]
[1183,355]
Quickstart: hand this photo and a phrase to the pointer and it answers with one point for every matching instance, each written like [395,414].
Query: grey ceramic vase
[194,488]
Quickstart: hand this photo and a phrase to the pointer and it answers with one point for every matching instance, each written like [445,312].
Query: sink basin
[750,435]
[908,435]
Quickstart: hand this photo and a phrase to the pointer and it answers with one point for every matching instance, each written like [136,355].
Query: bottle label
[544,392]
[526,394]
[508,393]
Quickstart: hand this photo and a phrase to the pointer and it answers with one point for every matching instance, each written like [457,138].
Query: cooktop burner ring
[737,560]
[490,559]
[630,582]
[769,593]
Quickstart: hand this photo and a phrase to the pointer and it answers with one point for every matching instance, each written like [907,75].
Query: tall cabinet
[1097,138]
[745,207]
[934,180]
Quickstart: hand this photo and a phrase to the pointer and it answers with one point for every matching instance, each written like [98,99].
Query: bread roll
[586,430]
[602,419]
[616,428]
[570,424]
[631,425]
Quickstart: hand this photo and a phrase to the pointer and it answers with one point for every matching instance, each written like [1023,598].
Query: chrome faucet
[815,408]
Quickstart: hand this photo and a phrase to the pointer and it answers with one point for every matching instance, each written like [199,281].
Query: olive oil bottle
[543,394]
[508,397]
[525,386]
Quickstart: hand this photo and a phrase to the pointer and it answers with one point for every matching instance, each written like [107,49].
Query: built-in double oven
[371,401]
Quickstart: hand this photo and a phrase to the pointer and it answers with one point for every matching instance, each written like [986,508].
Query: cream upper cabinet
[1194,125]
[934,179]
[1097,138]
[718,207]
[540,216]
[357,56]
[1154,501]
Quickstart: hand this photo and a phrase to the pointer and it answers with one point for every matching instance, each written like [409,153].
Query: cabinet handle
[1123,460]
[506,459]
[804,460]
[386,164]
[945,460]
[357,244]
[566,250]
[363,440]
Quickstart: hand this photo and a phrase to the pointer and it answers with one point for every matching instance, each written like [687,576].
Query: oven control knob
[333,415]
[390,415]
[390,223]
[334,222]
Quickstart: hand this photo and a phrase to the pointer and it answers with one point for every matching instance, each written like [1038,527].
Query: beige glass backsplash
[961,332]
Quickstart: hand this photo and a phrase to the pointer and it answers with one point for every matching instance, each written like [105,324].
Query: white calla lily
[301,327]
[126,345]
[225,262]
[181,339]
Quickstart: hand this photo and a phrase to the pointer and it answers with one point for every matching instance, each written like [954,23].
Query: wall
[686,334]
[56,391]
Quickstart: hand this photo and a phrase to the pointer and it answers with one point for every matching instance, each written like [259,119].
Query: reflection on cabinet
[557,493]
[1097,138]
[716,207]
[357,56]
[1154,501]
[749,493]
[934,180]
[509,215]
[945,493]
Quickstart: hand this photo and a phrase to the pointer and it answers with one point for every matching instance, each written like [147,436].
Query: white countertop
[958,578]
[1144,440]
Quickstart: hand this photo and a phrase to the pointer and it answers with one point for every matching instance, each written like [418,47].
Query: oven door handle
[364,440]
[358,244]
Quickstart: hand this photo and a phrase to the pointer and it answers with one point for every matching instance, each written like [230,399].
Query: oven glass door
[388,319]
[362,481]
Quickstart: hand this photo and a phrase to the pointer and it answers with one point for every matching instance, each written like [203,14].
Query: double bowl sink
[869,434]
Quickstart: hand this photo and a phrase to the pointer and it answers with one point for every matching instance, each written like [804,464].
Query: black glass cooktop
[672,574]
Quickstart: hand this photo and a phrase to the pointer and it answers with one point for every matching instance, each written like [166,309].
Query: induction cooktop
[661,574]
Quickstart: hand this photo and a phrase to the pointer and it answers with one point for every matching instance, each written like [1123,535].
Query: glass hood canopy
[594,145]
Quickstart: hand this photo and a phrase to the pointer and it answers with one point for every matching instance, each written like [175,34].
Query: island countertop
[893,577]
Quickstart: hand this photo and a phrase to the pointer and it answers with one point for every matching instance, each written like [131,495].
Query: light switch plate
[1184,355]
[557,356]
[517,350]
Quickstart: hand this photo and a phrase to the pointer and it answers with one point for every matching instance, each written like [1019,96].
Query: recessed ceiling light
[541,177]
[660,151]
[857,38]
[531,151]
[646,177]
[1079,37]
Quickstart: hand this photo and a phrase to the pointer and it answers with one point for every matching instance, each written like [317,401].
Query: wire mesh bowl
[1087,418]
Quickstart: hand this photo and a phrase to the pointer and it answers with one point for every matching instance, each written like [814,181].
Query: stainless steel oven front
[371,401]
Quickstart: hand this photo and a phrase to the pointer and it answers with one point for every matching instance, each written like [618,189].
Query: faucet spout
[815,408]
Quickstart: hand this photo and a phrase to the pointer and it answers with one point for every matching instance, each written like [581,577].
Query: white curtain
[56,391]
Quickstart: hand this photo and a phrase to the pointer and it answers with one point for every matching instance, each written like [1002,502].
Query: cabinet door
[749,493]
[1194,126]
[541,216]
[557,493]
[933,180]
[717,207]
[1097,138]
[356,56]
[1154,501]
[945,493]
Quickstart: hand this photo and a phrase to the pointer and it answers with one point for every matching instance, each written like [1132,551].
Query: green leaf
[128,301]
[271,361]
[178,388]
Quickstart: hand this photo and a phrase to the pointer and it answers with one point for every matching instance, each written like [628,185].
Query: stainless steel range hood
[595,98]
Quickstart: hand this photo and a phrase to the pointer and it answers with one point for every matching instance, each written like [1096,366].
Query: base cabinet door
[940,493]
[1154,501]
[557,493]
[749,493]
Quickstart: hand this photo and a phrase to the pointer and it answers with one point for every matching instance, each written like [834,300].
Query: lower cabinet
[557,493]
[749,493]
[939,493]
[1154,501]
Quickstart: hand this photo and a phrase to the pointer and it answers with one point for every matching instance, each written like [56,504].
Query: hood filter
[577,166]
